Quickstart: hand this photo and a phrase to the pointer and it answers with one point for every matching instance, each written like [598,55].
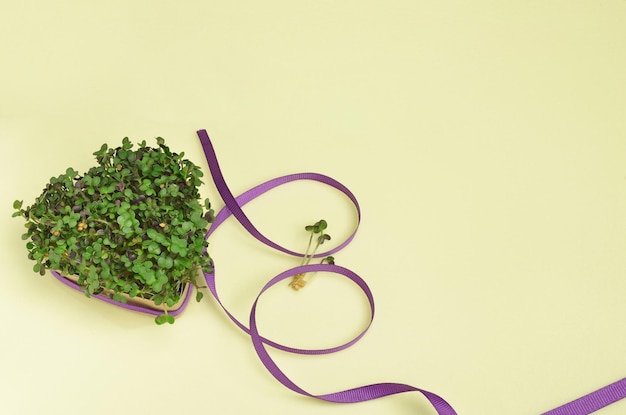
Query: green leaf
[322,238]
[165,262]
[199,295]
[197,219]
[182,263]
[209,216]
[172,190]
[124,220]
[17,204]
[157,286]
[93,286]
[154,248]
[120,298]
[126,144]
[150,277]
[102,150]
[161,277]
[105,274]
[186,226]
[176,241]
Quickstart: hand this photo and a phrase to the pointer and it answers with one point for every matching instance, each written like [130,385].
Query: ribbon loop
[233,206]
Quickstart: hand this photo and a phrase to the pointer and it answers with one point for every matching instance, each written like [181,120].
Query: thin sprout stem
[298,280]
[307,250]
[310,257]
[314,251]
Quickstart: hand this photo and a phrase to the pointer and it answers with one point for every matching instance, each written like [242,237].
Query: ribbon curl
[233,206]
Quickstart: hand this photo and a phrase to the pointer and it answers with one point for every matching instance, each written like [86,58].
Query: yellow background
[485,140]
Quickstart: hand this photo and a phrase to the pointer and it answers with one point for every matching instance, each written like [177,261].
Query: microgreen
[318,235]
[131,226]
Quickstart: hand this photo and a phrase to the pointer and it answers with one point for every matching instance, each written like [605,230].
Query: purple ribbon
[132,307]
[594,401]
[233,206]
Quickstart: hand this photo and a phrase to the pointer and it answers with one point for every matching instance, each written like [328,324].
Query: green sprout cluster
[317,233]
[131,226]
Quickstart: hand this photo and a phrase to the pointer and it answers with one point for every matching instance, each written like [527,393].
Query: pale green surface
[486,143]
